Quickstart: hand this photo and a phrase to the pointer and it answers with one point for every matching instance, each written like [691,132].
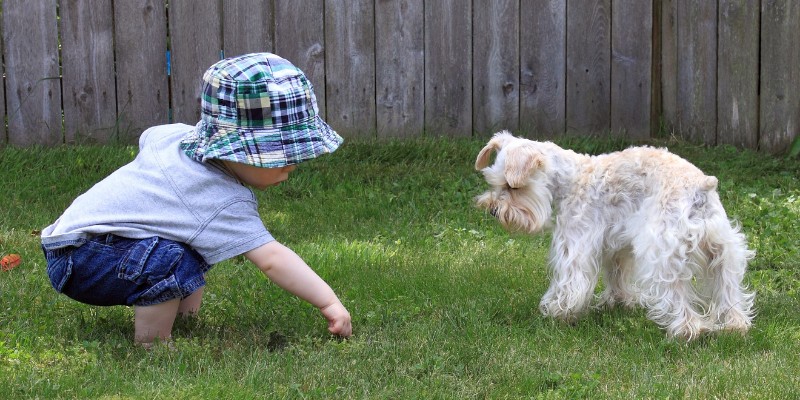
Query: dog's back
[654,166]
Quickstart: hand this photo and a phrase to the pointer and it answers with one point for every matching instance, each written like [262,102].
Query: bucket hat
[258,109]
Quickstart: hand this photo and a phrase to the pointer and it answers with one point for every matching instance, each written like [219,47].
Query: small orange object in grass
[10,261]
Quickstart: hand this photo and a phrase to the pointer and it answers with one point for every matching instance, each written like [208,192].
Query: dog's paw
[609,300]
[735,321]
[689,329]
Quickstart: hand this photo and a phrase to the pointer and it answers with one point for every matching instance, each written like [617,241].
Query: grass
[444,302]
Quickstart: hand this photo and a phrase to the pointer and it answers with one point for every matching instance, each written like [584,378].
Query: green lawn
[444,302]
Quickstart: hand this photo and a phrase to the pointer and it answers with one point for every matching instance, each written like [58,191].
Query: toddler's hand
[338,319]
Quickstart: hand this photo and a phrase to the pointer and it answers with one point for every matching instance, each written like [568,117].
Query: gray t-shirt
[164,193]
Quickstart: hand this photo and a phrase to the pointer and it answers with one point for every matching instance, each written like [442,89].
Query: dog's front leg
[574,270]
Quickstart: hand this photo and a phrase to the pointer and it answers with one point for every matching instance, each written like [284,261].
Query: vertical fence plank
[247,27]
[495,77]
[300,38]
[87,65]
[668,77]
[737,90]
[697,70]
[543,46]
[448,67]
[780,86]
[589,66]
[195,44]
[140,30]
[350,65]
[399,67]
[631,67]
[33,86]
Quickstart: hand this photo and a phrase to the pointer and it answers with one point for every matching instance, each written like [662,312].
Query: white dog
[650,220]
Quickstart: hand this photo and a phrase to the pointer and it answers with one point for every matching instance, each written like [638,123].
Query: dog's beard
[522,210]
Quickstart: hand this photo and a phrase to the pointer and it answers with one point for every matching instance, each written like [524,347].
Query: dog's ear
[494,144]
[521,162]
[486,153]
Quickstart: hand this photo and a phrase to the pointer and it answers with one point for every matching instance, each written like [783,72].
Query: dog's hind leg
[666,283]
[670,299]
[731,303]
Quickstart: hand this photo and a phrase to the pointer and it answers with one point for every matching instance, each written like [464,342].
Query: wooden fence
[712,71]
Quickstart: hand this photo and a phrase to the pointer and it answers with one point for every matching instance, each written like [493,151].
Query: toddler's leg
[191,305]
[154,321]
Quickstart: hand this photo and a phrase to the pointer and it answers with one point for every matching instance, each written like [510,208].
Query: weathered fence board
[631,67]
[300,38]
[350,65]
[697,70]
[399,67]
[140,31]
[87,65]
[448,67]
[195,42]
[780,74]
[737,86]
[495,62]
[668,68]
[543,44]
[33,87]
[588,66]
[247,27]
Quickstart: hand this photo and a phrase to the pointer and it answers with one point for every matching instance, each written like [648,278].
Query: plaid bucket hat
[258,109]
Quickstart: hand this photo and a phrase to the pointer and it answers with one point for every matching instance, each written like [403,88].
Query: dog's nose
[493,212]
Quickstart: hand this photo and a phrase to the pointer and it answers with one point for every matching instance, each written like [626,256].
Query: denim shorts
[110,270]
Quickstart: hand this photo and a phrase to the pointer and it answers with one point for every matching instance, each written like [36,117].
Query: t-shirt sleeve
[235,229]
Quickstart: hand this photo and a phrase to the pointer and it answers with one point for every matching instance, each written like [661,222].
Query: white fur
[648,220]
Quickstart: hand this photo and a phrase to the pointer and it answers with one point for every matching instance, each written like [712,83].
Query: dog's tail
[709,183]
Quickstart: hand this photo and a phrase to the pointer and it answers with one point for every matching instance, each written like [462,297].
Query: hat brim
[265,148]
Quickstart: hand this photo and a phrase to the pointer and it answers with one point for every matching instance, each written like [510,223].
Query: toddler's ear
[521,161]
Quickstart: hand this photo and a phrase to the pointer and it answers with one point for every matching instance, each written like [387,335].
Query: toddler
[145,235]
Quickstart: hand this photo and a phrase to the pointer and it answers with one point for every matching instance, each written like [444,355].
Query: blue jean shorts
[110,270]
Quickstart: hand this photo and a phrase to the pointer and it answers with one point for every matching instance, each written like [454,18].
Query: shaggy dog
[649,220]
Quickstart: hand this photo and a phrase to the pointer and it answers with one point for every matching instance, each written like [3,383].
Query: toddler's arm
[284,267]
